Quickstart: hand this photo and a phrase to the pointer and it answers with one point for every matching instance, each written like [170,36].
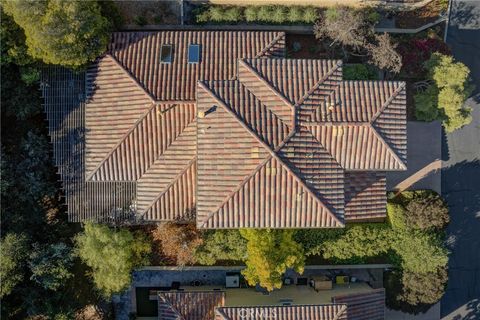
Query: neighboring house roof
[303,312]
[364,306]
[193,305]
[209,305]
[245,137]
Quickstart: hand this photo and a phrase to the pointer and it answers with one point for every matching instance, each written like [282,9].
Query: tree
[50,265]
[426,105]
[221,245]
[112,255]
[269,254]
[68,33]
[347,26]
[383,54]
[420,252]
[396,215]
[416,52]
[427,212]
[14,250]
[178,241]
[450,81]
[423,288]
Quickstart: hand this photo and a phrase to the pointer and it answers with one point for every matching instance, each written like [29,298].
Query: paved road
[461,176]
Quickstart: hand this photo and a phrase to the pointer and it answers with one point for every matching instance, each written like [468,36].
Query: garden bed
[149,12]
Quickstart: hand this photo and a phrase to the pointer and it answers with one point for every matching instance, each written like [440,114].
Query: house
[221,124]
[214,305]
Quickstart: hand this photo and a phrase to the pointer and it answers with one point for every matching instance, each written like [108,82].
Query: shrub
[269,254]
[426,105]
[30,75]
[295,14]
[312,240]
[310,15]
[396,215]
[112,255]
[178,242]
[359,72]
[251,14]
[359,242]
[216,13]
[221,245]
[140,20]
[264,13]
[278,14]
[233,14]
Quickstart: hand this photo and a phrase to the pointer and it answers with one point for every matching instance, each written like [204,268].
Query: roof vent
[271,171]
[337,131]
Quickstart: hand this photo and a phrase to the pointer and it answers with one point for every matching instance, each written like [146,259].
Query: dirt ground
[153,12]
[421,16]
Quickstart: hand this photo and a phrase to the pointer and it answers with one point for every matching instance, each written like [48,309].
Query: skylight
[194,53]
[166,53]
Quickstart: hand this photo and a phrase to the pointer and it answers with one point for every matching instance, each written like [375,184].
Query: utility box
[232,280]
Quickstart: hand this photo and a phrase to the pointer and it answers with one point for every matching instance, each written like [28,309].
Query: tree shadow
[461,190]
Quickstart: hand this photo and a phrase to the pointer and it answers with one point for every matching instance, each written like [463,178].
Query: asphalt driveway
[461,176]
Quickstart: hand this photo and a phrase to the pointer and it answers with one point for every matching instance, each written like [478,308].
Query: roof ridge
[270,45]
[137,83]
[289,171]
[319,82]
[394,154]
[267,147]
[388,101]
[122,140]
[177,177]
[240,186]
[265,82]
[220,313]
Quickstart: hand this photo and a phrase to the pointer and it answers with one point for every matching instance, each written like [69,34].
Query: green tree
[112,255]
[68,33]
[448,92]
[269,254]
[396,215]
[423,288]
[221,245]
[14,250]
[50,265]
[426,212]
[420,252]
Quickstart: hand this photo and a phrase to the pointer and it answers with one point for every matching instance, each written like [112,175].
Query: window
[194,53]
[166,53]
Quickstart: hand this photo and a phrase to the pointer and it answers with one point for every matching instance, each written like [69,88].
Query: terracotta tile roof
[365,196]
[139,53]
[260,142]
[193,305]
[364,306]
[296,312]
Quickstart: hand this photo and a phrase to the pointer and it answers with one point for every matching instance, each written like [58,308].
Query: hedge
[267,14]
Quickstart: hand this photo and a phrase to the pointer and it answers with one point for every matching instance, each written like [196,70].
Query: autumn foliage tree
[178,241]
[269,254]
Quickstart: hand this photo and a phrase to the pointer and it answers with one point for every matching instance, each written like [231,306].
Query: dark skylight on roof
[166,53]
[194,53]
